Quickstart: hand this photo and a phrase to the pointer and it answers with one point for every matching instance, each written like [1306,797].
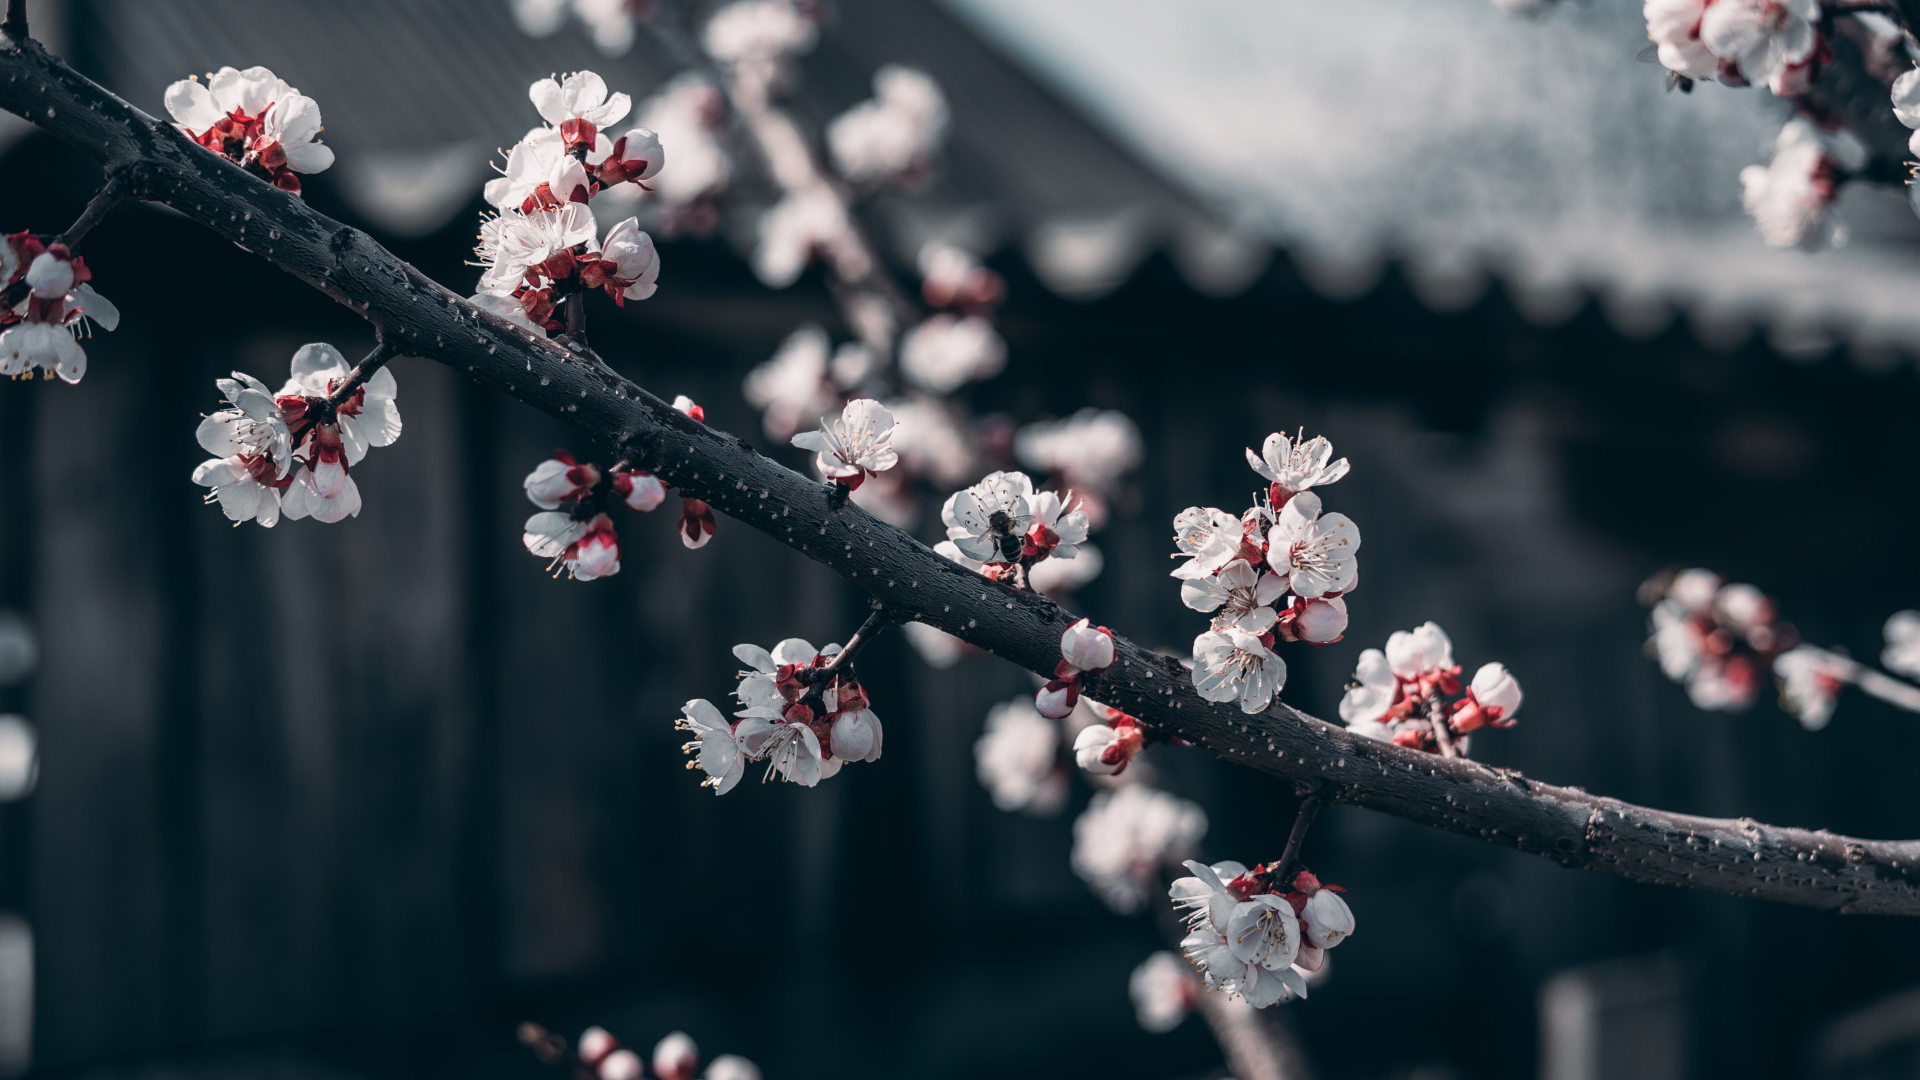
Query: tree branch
[98,207]
[16,25]
[419,317]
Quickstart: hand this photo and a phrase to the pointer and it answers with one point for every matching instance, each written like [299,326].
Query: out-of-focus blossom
[1761,37]
[803,224]
[947,352]
[676,1057]
[610,22]
[254,118]
[792,388]
[857,445]
[892,136]
[1164,991]
[688,115]
[1791,198]
[1315,553]
[1810,683]
[1125,837]
[931,441]
[938,648]
[622,1064]
[594,1045]
[1017,760]
[759,31]
[1057,577]
[952,277]
[1674,27]
[1233,665]
[1902,653]
[732,1067]
[1714,638]
[1092,448]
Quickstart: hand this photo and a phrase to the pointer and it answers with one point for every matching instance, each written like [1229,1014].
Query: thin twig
[1309,809]
[881,617]
[16,24]
[363,371]
[1441,735]
[101,204]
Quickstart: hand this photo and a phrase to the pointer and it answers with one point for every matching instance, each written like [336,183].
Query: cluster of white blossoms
[254,118]
[1401,695]
[600,1056]
[1277,572]
[42,327]
[1718,640]
[890,138]
[573,530]
[802,711]
[1259,934]
[1127,836]
[1779,43]
[288,454]
[1001,527]
[543,249]
[1740,42]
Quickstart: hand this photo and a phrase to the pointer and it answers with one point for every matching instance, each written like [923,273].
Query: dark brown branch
[1743,858]
[16,25]
[882,616]
[362,371]
[1437,719]
[1302,822]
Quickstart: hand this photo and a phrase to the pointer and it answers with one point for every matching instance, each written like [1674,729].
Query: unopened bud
[675,1057]
[595,1044]
[621,1065]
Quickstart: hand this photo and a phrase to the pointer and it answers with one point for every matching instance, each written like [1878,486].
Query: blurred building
[353,800]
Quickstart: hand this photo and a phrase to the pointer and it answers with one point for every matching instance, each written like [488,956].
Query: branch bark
[418,317]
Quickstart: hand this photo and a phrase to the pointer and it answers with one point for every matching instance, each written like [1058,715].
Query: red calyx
[1039,542]
[696,518]
[578,135]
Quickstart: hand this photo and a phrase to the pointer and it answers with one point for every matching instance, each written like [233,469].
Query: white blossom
[857,736]
[676,1057]
[988,521]
[517,241]
[1053,531]
[1329,919]
[369,417]
[893,133]
[720,754]
[1760,36]
[1124,837]
[1791,198]
[858,444]
[732,1067]
[1104,750]
[252,451]
[1906,105]
[582,95]
[1375,691]
[1810,684]
[1241,596]
[1674,26]
[217,115]
[947,352]
[1424,650]
[585,549]
[1902,653]
[506,307]
[628,267]
[1211,950]
[47,340]
[1203,894]
[1016,759]
[1163,990]
[1263,930]
[1315,553]
[1207,538]
[559,479]
[1233,665]
[759,31]
[1297,466]
[541,158]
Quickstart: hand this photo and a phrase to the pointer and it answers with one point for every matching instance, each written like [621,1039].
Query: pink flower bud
[1495,688]
[1329,919]
[595,1044]
[621,1065]
[641,491]
[1087,647]
[675,1057]
[1056,699]
[1321,622]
